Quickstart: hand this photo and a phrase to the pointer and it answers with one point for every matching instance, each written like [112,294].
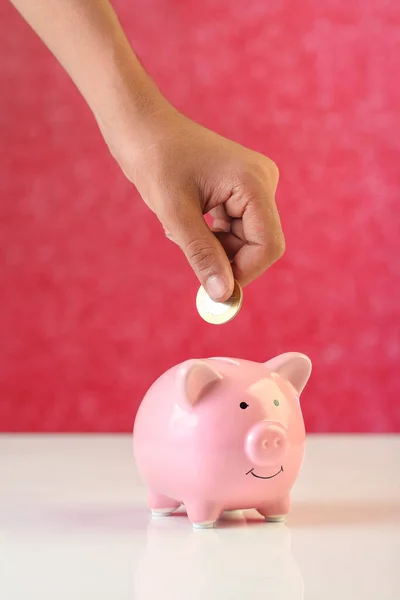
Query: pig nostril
[270,444]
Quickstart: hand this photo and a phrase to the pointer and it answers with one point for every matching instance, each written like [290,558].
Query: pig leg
[202,514]
[162,505]
[275,511]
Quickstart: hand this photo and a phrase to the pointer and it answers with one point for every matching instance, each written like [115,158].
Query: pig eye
[243,405]
[276,402]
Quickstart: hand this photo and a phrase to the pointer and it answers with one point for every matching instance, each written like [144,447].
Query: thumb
[202,249]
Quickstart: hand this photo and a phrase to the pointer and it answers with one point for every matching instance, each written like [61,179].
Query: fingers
[253,243]
[260,229]
[230,243]
[221,221]
[255,257]
[246,240]
[185,225]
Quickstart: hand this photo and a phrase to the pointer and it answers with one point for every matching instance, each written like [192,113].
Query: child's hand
[183,171]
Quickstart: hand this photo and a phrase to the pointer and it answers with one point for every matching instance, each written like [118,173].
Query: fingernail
[216,287]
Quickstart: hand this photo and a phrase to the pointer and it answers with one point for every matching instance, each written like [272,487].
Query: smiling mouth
[259,476]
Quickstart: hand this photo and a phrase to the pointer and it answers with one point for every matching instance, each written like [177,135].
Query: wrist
[127,104]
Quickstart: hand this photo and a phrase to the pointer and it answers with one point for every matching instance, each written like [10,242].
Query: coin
[218,313]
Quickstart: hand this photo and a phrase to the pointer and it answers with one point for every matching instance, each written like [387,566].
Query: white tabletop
[74,524]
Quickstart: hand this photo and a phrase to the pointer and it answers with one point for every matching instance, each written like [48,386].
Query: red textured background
[95,303]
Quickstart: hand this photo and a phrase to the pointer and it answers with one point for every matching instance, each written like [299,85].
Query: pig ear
[292,366]
[195,379]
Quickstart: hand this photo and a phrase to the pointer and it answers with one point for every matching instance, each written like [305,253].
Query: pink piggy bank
[223,434]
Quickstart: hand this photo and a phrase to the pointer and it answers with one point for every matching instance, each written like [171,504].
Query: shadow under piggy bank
[226,563]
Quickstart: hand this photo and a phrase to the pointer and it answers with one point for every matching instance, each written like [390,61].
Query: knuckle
[248,181]
[200,255]
[269,170]
[273,251]
[278,248]
[263,174]
[273,170]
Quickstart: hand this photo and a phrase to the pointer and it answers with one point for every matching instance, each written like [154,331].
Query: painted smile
[259,476]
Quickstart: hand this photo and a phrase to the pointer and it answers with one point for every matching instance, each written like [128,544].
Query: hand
[183,171]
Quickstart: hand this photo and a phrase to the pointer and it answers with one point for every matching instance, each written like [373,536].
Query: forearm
[87,39]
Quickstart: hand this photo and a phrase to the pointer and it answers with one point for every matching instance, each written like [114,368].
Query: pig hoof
[275,518]
[162,512]
[204,525]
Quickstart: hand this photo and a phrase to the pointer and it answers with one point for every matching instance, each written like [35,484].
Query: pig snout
[266,444]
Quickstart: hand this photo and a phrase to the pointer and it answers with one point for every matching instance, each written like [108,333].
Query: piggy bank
[222,434]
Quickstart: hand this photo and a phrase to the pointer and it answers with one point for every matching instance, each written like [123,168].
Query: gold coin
[218,313]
